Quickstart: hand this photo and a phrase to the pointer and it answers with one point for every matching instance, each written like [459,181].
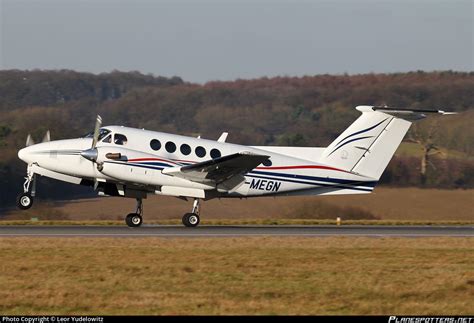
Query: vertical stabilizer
[367,146]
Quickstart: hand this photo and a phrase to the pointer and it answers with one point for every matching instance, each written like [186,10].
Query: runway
[237,231]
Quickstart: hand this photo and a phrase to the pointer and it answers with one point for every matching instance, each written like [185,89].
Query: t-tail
[366,147]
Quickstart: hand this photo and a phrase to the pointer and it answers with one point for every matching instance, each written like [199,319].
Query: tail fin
[366,147]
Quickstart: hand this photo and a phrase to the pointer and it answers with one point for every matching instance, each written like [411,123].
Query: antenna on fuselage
[223,137]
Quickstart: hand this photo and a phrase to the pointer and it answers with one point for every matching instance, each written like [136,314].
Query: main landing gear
[25,200]
[135,219]
[192,219]
[189,219]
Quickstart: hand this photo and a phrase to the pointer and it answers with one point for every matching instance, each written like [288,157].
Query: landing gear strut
[135,219]
[25,200]
[192,219]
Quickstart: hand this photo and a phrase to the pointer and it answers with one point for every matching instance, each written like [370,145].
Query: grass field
[412,205]
[237,276]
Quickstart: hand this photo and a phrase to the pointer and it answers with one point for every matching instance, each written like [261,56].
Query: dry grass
[237,276]
[393,204]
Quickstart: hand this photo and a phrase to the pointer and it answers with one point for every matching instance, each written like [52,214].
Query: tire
[191,220]
[134,220]
[24,201]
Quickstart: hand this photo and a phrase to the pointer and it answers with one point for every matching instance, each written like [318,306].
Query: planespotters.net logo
[410,319]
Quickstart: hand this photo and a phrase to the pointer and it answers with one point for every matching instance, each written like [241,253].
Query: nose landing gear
[192,219]
[135,219]
[25,200]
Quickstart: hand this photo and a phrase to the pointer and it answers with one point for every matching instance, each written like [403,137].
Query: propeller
[92,153]
[47,137]
[29,141]
[98,124]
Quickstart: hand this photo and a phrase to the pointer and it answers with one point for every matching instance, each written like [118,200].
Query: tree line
[299,111]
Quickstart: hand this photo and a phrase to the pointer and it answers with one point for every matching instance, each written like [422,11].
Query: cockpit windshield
[102,133]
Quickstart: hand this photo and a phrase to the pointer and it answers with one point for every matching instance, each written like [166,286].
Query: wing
[227,169]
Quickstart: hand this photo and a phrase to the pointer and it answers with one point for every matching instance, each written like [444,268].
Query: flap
[218,170]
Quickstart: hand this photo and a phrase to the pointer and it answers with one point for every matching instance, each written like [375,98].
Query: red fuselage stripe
[150,159]
[303,167]
[263,168]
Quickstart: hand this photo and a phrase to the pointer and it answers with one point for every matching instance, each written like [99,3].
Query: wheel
[24,201]
[134,220]
[191,220]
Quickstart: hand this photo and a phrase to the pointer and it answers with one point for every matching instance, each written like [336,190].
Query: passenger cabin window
[108,139]
[155,144]
[215,153]
[120,139]
[185,149]
[170,147]
[200,151]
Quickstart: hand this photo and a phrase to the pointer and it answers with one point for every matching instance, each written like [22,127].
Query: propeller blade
[98,124]
[29,141]
[47,137]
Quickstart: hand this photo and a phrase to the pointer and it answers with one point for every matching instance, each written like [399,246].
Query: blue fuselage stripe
[313,184]
[314,178]
[135,165]
[299,179]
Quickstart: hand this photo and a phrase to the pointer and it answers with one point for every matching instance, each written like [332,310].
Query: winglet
[223,137]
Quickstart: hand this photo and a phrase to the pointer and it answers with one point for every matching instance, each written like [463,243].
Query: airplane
[133,163]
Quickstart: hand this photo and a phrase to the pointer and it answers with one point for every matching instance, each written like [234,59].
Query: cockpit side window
[102,133]
[120,139]
[108,139]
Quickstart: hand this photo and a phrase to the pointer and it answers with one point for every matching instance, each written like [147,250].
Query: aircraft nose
[24,154]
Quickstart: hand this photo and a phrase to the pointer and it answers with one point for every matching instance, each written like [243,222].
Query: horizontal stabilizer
[406,113]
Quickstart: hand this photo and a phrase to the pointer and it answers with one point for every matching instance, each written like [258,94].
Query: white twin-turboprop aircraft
[128,162]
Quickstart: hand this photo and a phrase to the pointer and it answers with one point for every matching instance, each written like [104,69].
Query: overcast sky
[225,40]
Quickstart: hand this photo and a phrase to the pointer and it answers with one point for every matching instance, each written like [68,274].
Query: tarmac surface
[236,231]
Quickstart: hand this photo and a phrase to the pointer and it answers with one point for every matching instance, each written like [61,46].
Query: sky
[203,41]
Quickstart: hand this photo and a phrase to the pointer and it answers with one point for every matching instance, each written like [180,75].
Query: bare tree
[429,148]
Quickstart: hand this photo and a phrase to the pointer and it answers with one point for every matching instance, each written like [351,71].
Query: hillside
[305,111]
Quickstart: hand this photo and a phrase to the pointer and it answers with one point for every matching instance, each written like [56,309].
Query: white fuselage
[293,170]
